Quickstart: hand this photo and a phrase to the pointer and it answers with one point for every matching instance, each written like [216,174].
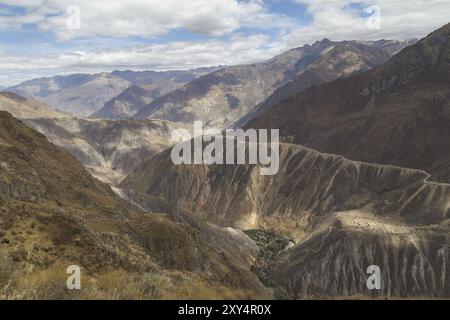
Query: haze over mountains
[364,179]
[85,94]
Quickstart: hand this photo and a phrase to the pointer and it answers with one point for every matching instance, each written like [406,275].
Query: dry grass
[50,284]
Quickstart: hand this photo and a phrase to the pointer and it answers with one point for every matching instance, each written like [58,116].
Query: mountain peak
[324,41]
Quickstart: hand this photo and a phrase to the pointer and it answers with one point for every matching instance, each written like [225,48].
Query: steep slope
[391,46]
[340,60]
[392,216]
[54,214]
[108,149]
[413,259]
[79,94]
[84,94]
[133,99]
[21,107]
[396,114]
[222,97]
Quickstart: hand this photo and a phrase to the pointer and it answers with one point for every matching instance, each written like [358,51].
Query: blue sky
[48,37]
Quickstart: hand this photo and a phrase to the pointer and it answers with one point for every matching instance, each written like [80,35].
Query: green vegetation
[271,246]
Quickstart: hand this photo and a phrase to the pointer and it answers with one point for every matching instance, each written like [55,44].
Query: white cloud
[400,19]
[221,19]
[237,49]
[144,18]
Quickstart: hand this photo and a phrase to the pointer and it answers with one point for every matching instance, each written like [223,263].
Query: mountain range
[220,98]
[362,181]
[111,148]
[85,94]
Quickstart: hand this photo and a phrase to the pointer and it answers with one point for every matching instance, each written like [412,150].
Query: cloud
[237,49]
[143,18]
[235,31]
[348,19]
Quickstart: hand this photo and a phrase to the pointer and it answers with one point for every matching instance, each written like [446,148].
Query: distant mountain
[54,215]
[84,94]
[390,46]
[395,114]
[222,97]
[133,99]
[340,60]
[109,149]
[130,101]
[79,94]
[21,107]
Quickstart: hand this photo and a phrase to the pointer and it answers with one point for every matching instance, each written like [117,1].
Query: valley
[88,177]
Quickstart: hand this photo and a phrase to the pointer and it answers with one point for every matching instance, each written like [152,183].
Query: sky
[40,38]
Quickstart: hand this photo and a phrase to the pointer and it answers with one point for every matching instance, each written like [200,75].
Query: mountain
[395,114]
[222,97]
[133,99]
[109,149]
[391,46]
[84,94]
[53,214]
[342,215]
[79,94]
[22,107]
[340,60]
[362,181]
